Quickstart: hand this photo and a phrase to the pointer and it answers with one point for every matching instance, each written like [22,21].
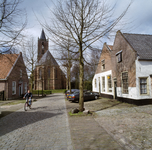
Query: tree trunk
[67,80]
[81,78]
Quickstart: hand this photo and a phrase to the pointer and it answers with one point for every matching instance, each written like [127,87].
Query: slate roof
[42,37]
[6,63]
[141,43]
[47,59]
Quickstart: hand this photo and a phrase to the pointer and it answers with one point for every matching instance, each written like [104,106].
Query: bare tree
[11,24]
[29,50]
[86,21]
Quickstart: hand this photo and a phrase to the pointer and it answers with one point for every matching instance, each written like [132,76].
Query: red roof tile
[6,63]
[110,46]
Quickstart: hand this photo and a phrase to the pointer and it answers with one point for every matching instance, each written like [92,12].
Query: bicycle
[26,105]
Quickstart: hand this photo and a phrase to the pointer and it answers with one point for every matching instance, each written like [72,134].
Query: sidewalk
[114,126]
[87,134]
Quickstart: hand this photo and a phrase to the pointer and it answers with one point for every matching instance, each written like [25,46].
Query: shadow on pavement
[18,120]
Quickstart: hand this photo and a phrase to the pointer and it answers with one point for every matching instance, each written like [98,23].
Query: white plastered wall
[143,69]
[98,78]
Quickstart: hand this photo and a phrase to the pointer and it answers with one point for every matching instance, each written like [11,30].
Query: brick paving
[45,126]
[87,134]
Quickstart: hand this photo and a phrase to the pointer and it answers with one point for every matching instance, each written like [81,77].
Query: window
[48,72]
[119,56]
[103,64]
[103,84]
[25,87]
[125,83]
[40,73]
[143,85]
[56,73]
[95,83]
[13,87]
[20,73]
[109,83]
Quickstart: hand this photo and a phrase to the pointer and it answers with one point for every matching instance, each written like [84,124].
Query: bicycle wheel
[25,106]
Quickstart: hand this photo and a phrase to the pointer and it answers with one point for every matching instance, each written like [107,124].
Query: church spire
[42,37]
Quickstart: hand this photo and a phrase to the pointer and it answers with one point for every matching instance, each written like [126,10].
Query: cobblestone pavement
[45,126]
[131,127]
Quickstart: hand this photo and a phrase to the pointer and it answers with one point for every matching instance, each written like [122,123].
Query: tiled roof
[141,43]
[6,63]
[110,46]
[47,59]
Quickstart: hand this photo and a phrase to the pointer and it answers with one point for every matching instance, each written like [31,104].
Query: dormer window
[119,56]
[103,64]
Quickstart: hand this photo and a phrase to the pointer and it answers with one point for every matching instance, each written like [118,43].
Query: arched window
[56,73]
[40,73]
[48,72]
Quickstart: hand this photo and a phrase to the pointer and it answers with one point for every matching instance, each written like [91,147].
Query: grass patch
[14,102]
[79,114]
[76,114]
[58,91]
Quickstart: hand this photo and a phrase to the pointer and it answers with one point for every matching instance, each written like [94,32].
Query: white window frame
[147,85]
[13,87]
[109,89]
[127,83]
[103,64]
[95,83]
[103,84]
[119,56]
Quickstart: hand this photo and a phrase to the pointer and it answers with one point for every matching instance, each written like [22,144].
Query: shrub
[40,92]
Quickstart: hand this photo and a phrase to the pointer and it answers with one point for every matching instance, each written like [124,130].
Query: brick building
[13,75]
[47,74]
[131,69]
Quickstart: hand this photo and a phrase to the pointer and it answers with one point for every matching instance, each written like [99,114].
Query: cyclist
[28,97]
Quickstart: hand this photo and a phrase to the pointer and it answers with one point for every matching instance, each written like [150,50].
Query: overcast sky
[140,13]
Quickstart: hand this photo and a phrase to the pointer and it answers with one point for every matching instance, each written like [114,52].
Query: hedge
[40,92]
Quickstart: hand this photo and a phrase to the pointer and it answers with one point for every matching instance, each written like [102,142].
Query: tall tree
[29,50]
[12,24]
[86,21]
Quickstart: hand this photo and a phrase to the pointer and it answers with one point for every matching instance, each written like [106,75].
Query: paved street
[44,127]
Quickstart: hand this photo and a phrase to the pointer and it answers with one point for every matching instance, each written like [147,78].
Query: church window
[48,72]
[40,73]
[56,73]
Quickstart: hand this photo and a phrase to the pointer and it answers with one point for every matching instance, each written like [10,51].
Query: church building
[47,74]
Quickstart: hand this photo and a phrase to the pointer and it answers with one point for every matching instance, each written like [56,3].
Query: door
[20,89]
[115,89]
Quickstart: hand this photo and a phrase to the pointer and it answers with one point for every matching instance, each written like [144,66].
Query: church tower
[42,45]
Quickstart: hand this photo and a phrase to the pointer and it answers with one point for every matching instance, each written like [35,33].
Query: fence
[2,95]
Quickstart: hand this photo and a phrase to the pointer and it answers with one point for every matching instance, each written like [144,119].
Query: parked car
[72,91]
[96,93]
[87,96]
